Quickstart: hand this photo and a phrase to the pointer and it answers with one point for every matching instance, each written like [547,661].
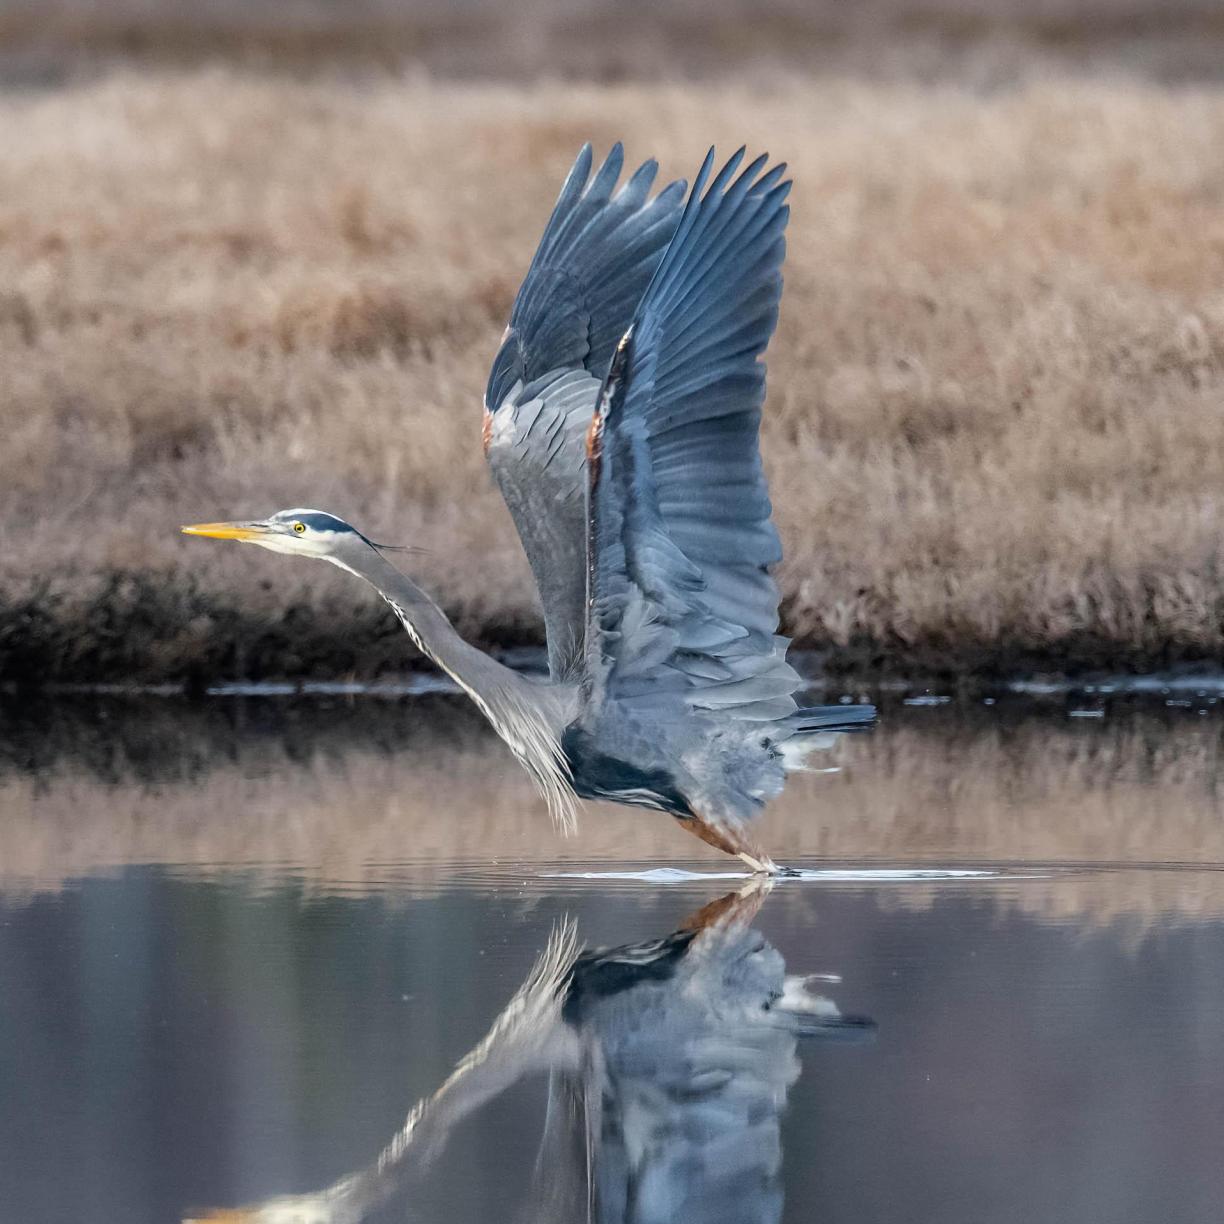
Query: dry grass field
[995,426]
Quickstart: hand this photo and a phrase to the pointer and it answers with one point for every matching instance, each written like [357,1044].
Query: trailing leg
[730,841]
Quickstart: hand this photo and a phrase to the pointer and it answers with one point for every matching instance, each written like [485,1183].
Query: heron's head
[302,533]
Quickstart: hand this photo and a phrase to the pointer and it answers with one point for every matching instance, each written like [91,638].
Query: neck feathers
[529,716]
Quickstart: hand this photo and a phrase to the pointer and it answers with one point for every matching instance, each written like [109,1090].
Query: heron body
[621,424]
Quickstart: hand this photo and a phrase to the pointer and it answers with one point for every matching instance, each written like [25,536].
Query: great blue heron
[669,1064]
[621,423]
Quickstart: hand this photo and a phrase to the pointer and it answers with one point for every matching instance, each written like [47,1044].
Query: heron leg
[731,841]
[739,907]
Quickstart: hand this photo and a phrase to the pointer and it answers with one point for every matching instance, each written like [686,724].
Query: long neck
[429,627]
[531,717]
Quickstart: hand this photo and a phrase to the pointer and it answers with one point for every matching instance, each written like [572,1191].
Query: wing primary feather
[637,186]
[764,217]
[679,531]
[687,220]
[603,243]
[573,187]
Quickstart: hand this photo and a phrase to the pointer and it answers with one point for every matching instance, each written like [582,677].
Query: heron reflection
[669,1065]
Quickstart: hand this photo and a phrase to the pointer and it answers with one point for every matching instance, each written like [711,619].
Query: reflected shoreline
[356,795]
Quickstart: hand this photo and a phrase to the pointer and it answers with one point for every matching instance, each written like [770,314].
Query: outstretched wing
[679,531]
[597,255]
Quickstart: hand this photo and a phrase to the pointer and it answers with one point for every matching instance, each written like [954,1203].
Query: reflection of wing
[598,252]
[680,538]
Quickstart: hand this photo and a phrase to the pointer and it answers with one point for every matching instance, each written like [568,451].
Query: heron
[621,423]
[669,1064]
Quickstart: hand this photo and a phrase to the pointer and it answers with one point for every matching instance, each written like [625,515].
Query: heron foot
[732,841]
[758,866]
[763,865]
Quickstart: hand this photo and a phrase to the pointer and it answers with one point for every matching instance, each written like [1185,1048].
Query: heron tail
[815,727]
[815,1015]
[829,718]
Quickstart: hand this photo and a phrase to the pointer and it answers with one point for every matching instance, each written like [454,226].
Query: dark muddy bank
[146,628]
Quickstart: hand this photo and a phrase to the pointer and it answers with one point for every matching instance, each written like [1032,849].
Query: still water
[326,961]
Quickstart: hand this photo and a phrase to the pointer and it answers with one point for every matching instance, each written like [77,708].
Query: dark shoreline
[136,630]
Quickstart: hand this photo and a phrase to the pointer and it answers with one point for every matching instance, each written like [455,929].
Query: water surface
[239,944]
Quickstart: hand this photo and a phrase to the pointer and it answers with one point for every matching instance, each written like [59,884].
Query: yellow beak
[226,531]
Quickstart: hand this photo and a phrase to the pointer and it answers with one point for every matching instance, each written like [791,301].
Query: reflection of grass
[354,796]
[993,431]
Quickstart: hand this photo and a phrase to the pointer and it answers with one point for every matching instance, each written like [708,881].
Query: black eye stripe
[314,520]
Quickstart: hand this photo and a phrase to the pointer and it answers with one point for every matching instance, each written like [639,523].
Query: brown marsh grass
[994,431]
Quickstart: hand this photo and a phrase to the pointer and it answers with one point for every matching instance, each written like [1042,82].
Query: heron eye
[299,527]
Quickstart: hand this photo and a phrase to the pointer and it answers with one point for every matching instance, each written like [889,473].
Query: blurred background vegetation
[255,256]
[608,40]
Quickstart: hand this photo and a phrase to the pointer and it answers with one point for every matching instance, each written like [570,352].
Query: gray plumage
[622,419]
[685,670]
[682,603]
[687,1051]
[599,250]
